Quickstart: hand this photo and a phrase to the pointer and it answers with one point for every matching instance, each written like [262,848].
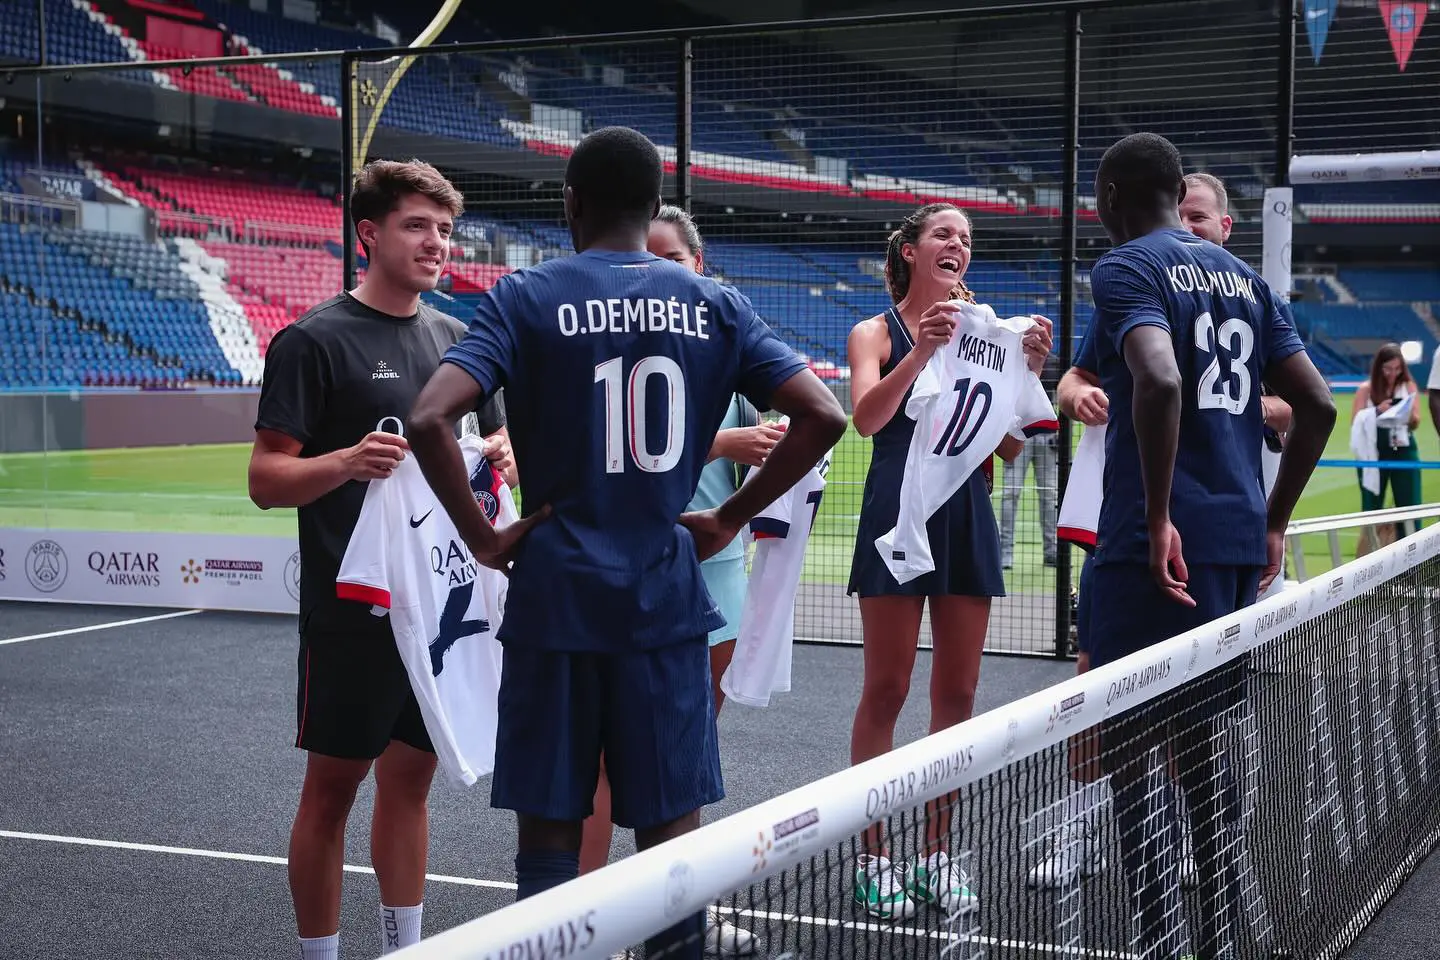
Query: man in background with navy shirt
[618,367]
[1184,335]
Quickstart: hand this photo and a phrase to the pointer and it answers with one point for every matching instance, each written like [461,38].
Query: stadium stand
[250,256]
[859,121]
[258,211]
[104,293]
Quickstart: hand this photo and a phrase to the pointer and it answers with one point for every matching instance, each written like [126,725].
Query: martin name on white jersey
[406,559]
[760,666]
[972,392]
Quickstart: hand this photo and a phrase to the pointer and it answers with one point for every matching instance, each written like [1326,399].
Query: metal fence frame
[1287,15]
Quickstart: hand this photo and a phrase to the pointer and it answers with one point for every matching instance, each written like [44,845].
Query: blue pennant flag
[1318,14]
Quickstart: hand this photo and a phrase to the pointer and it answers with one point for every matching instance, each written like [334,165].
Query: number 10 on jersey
[626,402]
[972,406]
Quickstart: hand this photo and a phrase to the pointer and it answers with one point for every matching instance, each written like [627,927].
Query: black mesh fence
[801,150]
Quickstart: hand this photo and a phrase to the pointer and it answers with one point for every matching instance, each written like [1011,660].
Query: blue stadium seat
[99,297]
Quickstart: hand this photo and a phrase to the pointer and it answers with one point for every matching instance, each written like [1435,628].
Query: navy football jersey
[1227,327]
[617,369]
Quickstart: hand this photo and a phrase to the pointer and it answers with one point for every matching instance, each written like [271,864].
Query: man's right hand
[376,456]
[1092,406]
[1167,562]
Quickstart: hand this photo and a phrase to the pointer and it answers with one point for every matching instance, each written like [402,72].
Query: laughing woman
[925,263]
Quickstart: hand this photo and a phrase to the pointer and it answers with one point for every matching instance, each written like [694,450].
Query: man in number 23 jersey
[1184,335]
[618,367]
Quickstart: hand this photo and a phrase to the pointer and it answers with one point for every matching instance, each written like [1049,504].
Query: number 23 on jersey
[1230,347]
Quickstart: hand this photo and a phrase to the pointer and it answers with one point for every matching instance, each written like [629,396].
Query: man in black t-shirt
[338,385]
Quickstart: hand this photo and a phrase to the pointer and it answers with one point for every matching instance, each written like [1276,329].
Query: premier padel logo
[383,372]
[233,572]
[792,833]
[46,566]
[1227,638]
[1065,710]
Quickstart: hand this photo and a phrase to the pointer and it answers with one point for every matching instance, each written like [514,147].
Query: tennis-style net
[1255,788]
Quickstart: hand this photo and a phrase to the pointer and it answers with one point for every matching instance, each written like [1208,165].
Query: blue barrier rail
[1383,464]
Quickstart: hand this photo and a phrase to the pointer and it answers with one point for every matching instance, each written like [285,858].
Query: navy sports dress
[964,538]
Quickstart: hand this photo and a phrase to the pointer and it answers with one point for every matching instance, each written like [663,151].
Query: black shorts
[353,695]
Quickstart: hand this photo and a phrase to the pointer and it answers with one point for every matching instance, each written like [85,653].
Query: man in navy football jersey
[1184,335]
[618,367]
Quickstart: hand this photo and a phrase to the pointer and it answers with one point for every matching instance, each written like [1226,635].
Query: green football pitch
[203,489]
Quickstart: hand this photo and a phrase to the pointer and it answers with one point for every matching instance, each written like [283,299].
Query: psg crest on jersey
[482,484]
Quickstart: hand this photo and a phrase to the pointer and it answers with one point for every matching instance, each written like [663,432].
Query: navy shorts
[1128,613]
[651,713]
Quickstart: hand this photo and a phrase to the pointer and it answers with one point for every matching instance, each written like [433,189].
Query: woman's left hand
[1037,342]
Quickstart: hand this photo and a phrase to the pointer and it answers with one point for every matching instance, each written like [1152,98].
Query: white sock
[399,927]
[320,948]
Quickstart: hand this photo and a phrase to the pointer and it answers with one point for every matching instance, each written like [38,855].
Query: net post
[1068,228]
[1285,93]
[347,162]
[684,61]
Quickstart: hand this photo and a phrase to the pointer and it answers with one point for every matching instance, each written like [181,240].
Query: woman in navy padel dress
[925,262]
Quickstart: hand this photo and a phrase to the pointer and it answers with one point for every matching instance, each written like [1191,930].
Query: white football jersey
[761,662]
[406,559]
[1080,505]
[968,397]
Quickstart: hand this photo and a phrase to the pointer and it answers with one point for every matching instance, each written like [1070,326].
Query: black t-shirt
[338,373]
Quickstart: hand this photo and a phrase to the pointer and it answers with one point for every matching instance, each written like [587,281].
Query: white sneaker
[1074,852]
[939,880]
[725,939]
[881,888]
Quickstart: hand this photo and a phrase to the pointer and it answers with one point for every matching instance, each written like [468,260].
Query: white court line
[869,927]
[226,855]
[100,626]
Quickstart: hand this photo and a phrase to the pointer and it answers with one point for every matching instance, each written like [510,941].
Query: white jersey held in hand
[1080,506]
[406,558]
[761,663]
[972,392]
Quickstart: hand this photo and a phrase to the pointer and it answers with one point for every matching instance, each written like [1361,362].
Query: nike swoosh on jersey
[415,523]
